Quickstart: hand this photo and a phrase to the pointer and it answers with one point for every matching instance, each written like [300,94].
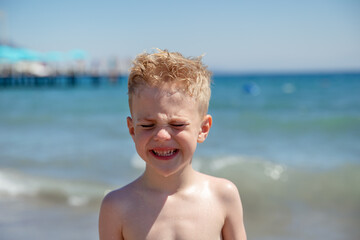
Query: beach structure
[28,68]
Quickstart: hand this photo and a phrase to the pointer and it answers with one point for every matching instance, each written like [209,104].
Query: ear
[130,126]
[205,128]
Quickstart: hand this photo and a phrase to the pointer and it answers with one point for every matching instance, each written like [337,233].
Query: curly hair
[188,74]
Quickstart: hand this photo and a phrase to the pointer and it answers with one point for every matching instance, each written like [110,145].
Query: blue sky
[236,36]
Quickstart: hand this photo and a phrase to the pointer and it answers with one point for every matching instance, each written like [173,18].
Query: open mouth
[164,154]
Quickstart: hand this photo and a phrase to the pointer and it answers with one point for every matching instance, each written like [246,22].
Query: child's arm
[109,220]
[233,228]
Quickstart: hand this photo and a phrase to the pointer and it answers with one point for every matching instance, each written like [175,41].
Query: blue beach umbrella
[11,54]
[29,55]
[8,54]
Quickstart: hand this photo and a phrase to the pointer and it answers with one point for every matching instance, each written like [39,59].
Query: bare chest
[174,219]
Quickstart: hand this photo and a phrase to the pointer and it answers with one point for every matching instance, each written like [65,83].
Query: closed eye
[179,125]
[147,125]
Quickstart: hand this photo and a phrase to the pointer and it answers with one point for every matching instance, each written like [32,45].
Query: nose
[162,135]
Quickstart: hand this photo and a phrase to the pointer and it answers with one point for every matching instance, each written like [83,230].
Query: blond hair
[188,74]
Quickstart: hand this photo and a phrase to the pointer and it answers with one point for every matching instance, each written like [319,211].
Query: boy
[168,98]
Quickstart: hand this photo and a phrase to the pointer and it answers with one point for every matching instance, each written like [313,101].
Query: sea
[290,142]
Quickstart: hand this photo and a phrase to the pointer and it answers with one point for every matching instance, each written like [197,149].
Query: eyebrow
[145,119]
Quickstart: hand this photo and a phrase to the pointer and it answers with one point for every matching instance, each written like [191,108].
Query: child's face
[166,126]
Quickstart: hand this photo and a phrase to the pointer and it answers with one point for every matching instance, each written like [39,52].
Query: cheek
[140,138]
[140,144]
[142,135]
[189,139]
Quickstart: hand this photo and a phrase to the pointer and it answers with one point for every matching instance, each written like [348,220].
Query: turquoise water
[291,143]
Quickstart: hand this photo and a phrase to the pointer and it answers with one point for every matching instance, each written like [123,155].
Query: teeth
[164,153]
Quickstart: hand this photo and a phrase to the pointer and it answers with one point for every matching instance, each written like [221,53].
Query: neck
[168,184]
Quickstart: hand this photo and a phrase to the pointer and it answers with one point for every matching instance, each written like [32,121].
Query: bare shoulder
[229,198]
[223,188]
[119,199]
[113,210]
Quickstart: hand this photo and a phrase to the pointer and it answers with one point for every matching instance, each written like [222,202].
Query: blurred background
[285,103]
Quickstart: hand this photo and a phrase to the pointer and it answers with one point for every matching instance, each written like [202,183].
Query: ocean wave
[261,182]
[265,183]
[227,165]
[17,184]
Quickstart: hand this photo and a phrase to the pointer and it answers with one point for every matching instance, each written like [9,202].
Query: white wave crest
[11,185]
[73,193]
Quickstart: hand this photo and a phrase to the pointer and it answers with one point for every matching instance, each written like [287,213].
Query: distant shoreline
[283,74]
